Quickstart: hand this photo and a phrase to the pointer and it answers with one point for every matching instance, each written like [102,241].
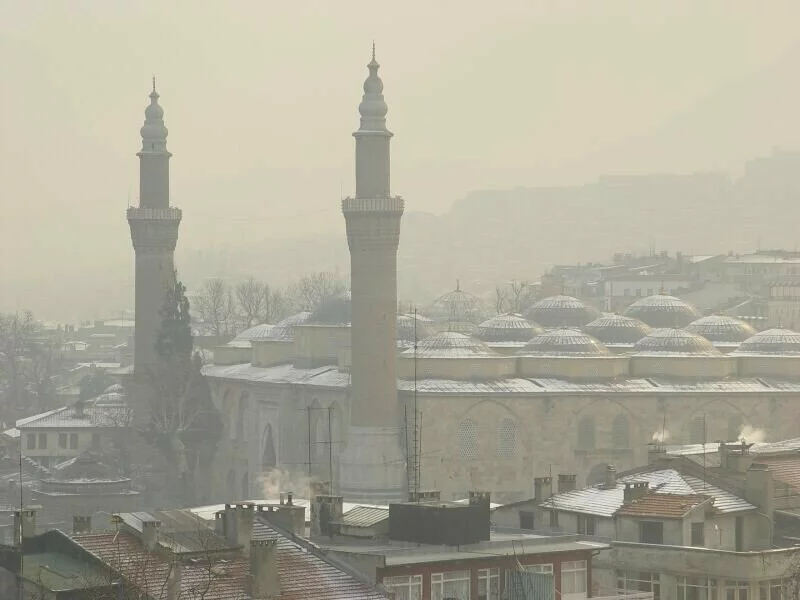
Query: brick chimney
[290,517]
[425,496]
[656,452]
[611,477]
[324,511]
[634,491]
[150,534]
[81,524]
[566,483]
[265,580]
[542,489]
[24,524]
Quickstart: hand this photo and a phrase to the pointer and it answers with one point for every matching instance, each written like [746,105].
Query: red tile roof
[662,506]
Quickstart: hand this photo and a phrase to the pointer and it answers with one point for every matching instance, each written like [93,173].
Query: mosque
[454,398]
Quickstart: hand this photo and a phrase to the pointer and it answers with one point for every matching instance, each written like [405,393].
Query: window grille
[468,439]
[506,439]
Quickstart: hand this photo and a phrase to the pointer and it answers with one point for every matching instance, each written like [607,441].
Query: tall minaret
[372,464]
[154,231]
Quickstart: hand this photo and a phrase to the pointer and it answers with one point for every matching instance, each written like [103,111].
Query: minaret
[372,464]
[154,231]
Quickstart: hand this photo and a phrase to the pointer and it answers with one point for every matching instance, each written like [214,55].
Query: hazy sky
[260,100]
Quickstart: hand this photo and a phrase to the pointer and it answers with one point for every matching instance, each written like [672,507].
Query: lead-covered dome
[450,344]
[674,341]
[721,329]
[283,331]
[458,311]
[506,329]
[561,311]
[564,342]
[332,311]
[617,329]
[411,328]
[771,342]
[663,311]
[254,333]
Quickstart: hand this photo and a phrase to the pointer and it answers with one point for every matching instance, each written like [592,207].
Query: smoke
[279,481]
[751,435]
[659,437]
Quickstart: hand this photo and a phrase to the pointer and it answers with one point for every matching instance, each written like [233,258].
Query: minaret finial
[373,51]
[154,84]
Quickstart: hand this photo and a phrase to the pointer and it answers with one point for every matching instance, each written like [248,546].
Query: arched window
[697,431]
[506,438]
[468,439]
[620,433]
[734,428]
[586,433]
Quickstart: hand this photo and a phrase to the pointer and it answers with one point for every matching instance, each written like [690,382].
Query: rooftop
[721,329]
[662,342]
[60,572]
[506,328]
[564,342]
[561,311]
[449,344]
[617,329]
[72,417]
[784,342]
[661,310]
[663,506]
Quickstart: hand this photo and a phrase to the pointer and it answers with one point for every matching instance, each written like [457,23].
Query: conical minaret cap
[153,129]
[373,108]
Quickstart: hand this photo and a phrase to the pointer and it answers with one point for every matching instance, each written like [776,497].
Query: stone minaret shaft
[154,231]
[373,233]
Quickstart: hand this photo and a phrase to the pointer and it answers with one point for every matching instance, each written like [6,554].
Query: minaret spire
[372,138]
[154,84]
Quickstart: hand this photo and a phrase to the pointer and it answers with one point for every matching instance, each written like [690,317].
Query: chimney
[81,524]
[480,499]
[656,452]
[635,490]
[283,498]
[759,490]
[24,524]
[611,477]
[425,496]
[150,534]
[542,489]
[735,457]
[79,405]
[174,581]
[244,525]
[566,483]
[265,581]
[324,511]
[289,497]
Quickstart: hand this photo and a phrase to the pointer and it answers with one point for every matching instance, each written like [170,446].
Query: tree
[216,307]
[310,291]
[252,296]
[94,384]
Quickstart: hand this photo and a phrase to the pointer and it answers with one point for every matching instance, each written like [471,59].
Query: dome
[458,311]
[407,332]
[561,311]
[283,331]
[332,311]
[675,341]
[663,311]
[771,341]
[506,328]
[449,344]
[114,389]
[153,128]
[616,329]
[373,106]
[254,333]
[564,342]
[721,329]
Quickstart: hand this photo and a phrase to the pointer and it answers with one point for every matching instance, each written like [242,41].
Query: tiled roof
[69,418]
[662,506]
[602,502]
[364,516]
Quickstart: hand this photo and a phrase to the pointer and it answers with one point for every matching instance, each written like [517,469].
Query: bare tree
[252,296]
[310,291]
[522,296]
[216,307]
[501,301]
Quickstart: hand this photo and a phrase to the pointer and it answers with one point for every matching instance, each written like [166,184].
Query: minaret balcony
[389,204]
[154,214]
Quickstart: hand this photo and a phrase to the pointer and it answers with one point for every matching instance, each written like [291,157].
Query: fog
[260,101]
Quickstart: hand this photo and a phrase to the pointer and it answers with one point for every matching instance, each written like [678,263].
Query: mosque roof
[674,341]
[257,332]
[617,329]
[283,331]
[561,311]
[450,344]
[458,310]
[721,329]
[771,342]
[506,328]
[564,342]
[663,311]
[411,328]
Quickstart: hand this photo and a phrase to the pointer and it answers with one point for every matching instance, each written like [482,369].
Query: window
[632,582]
[488,584]
[698,534]
[736,590]
[31,439]
[506,438]
[620,436]
[573,578]
[525,519]
[454,584]
[553,519]
[697,588]
[468,439]
[771,590]
[62,440]
[586,433]
[544,569]
[42,441]
[651,532]
[408,587]
[73,441]
[585,525]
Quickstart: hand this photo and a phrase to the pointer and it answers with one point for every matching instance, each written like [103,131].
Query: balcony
[391,204]
[154,214]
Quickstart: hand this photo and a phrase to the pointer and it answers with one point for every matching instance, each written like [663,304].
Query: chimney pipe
[542,489]
[81,524]
[611,477]
[289,497]
[150,534]
[265,580]
[566,483]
